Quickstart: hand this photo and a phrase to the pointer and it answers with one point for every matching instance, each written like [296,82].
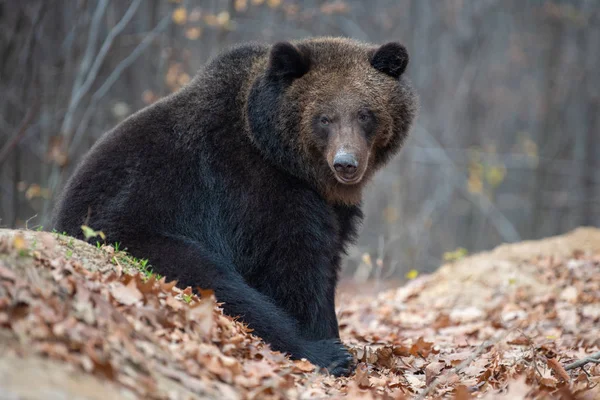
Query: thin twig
[593,358]
[19,133]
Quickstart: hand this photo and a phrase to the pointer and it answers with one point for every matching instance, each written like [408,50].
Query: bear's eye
[363,117]
[324,121]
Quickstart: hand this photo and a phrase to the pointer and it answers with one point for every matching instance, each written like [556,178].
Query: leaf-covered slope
[80,322]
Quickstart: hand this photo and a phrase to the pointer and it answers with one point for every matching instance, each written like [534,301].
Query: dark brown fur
[228,184]
[341,76]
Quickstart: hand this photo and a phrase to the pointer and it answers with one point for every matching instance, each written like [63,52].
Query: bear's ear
[391,59]
[287,61]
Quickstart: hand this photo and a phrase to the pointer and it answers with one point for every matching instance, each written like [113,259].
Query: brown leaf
[462,393]
[174,303]
[520,341]
[146,287]
[442,321]
[206,293]
[361,376]
[126,295]
[421,348]
[558,369]
[385,356]
[202,315]
[402,351]
[303,365]
[432,370]
[166,286]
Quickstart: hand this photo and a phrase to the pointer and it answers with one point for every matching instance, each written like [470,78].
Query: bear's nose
[345,164]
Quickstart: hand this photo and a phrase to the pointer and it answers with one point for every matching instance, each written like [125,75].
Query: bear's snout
[348,166]
[345,165]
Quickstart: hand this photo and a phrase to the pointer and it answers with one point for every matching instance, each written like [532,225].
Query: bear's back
[149,162]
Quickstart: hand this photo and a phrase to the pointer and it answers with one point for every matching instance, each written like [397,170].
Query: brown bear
[248,180]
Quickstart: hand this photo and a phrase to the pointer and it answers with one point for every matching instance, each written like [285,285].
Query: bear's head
[331,111]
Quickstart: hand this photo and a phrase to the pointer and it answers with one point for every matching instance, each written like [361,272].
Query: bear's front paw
[332,355]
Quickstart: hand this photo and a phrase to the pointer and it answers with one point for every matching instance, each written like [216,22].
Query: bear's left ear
[287,61]
[391,59]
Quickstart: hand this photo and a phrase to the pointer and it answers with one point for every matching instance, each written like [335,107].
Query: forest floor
[521,321]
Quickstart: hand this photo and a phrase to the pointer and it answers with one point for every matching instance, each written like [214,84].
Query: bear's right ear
[287,61]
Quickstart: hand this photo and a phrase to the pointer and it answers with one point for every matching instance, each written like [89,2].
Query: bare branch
[593,358]
[502,224]
[66,127]
[91,76]
[112,78]
[91,45]
[19,132]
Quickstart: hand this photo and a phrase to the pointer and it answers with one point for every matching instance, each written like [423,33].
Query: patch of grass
[130,263]
[187,298]
[119,256]
[456,255]
[59,235]
[24,253]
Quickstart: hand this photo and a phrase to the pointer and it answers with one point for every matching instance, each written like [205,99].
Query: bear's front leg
[303,286]
[318,319]
[192,265]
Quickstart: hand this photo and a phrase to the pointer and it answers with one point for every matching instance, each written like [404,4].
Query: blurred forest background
[507,144]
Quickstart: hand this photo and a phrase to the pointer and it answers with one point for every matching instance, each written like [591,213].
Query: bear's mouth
[348,180]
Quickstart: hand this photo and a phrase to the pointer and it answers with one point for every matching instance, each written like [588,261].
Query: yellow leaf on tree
[474,184]
[180,15]
[193,33]
[33,191]
[223,18]
[412,274]
[183,79]
[241,5]
[495,175]
[366,258]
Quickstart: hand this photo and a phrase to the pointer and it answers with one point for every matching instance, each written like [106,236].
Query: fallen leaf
[126,295]
[303,365]
[361,376]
